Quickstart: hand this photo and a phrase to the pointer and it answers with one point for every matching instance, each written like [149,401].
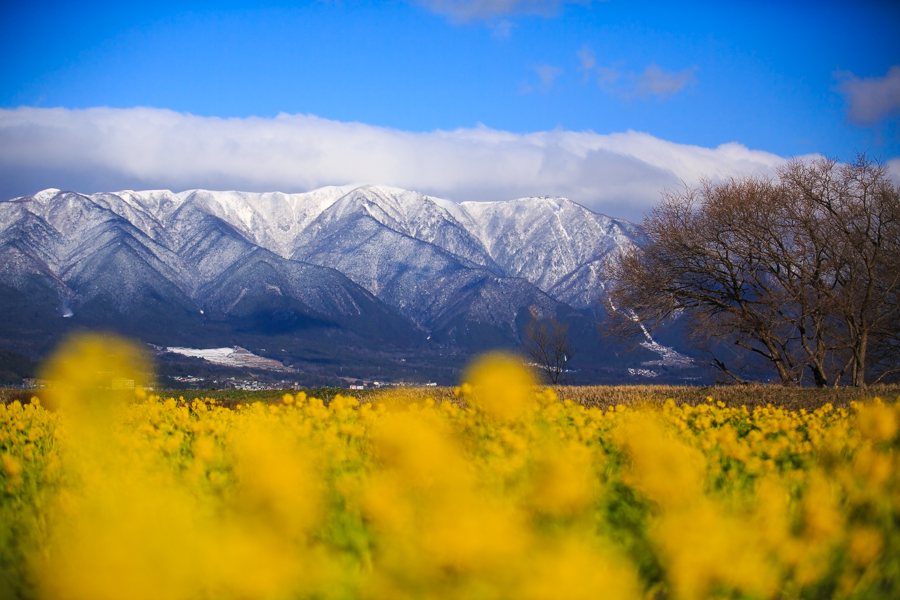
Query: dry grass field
[601,396]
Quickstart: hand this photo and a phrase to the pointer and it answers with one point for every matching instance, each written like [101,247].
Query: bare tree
[800,271]
[857,214]
[547,343]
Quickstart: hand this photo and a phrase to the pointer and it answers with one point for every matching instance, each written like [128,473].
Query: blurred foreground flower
[510,492]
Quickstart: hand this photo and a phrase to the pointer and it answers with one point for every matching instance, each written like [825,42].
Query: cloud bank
[107,149]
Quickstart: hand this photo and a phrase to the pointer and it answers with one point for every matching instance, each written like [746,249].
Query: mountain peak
[44,196]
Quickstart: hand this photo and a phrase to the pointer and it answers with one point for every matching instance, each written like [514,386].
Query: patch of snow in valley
[230,357]
[669,357]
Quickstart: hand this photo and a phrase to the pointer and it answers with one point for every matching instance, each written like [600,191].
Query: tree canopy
[798,273]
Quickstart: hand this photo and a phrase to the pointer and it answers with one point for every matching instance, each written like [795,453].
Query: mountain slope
[420,280]
[548,240]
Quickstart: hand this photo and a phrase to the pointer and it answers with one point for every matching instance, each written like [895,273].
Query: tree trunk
[819,376]
[859,364]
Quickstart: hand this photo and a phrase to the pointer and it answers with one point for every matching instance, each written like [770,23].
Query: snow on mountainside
[366,259]
[546,241]
[550,240]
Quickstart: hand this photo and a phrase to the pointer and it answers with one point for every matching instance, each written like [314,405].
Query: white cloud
[502,29]
[656,82]
[468,10]
[653,81]
[608,76]
[588,59]
[106,149]
[893,167]
[547,74]
[871,99]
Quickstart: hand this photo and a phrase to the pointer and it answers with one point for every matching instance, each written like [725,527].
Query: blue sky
[778,80]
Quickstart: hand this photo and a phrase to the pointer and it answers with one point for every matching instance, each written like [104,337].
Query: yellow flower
[865,545]
[663,468]
[878,422]
[11,465]
[503,388]
[563,482]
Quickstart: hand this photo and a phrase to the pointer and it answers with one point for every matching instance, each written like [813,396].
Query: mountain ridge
[356,265]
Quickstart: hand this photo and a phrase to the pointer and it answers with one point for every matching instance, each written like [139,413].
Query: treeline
[796,275]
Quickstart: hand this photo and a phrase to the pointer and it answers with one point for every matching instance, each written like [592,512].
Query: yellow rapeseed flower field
[509,492]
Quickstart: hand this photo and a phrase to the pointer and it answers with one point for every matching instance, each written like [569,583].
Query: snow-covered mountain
[372,262]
